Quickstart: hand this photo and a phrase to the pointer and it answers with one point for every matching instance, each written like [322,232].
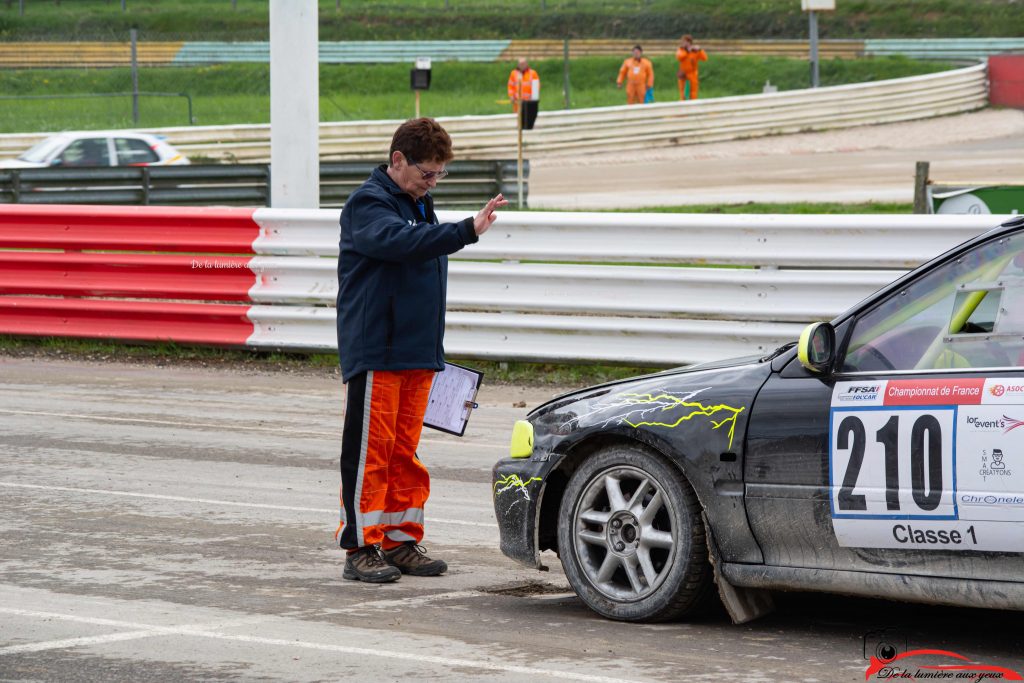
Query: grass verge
[240,93]
[795,207]
[317,364]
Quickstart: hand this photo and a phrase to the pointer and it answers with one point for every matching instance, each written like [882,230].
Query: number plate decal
[928,464]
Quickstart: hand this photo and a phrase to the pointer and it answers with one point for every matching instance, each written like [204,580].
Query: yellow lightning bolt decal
[697,409]
[514,481]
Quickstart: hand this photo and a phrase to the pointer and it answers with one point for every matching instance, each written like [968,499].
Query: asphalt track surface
[171,523]
[863,164]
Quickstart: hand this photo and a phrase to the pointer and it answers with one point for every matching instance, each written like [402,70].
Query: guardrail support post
[921,187]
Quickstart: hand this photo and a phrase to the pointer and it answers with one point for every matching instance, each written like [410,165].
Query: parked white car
[98,148]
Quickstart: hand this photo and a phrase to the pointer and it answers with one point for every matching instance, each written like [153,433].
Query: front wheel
[631,538]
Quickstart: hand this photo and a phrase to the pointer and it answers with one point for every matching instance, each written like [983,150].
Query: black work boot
[366,564]
[412,559]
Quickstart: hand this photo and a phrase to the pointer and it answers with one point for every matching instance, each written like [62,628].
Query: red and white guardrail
[105,272]
[538,286]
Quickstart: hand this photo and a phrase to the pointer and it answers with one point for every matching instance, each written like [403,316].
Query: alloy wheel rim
[624,534]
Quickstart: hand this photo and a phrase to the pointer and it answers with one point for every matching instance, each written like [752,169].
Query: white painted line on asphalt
[66,643]
[207,501]
[230,426]
[420,658]
[77,642]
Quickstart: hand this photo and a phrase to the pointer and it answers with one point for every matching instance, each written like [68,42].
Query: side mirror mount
[817,347]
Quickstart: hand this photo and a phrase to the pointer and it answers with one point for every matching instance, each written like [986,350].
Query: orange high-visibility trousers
[694,82]
[384,486]
[635,92]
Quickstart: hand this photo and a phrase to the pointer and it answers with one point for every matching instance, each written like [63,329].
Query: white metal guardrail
[647,289]
[598,129]
[766,240]
[623,287]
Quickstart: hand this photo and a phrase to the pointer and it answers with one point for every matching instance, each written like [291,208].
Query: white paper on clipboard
[452,399]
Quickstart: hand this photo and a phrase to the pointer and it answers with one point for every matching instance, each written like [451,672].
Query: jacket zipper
[391,329]
[440,309]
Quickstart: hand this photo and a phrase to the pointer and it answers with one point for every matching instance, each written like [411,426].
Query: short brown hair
[422,139]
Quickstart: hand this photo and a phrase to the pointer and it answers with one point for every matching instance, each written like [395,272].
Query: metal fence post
[813,18]
[145,186]
[135,77]
[15,186]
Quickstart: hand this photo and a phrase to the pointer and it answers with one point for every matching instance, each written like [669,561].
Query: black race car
[881,455]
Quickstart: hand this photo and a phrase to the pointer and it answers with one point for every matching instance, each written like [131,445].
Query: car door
[909,456]
[134,152]
[86,152]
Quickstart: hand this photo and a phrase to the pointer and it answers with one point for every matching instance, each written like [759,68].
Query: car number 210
[892,463]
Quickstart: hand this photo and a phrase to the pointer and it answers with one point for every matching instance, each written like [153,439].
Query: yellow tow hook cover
[522,440]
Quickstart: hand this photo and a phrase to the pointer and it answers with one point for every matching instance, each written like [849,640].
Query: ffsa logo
[861,392]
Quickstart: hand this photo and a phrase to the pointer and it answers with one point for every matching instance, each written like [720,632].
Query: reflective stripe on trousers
[384,486]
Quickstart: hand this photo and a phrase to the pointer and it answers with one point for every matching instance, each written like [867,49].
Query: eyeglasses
[429,175]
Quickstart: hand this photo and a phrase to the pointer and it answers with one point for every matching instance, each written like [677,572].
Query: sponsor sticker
[928,464]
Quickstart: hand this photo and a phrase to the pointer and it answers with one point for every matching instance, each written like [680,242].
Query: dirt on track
[867,163]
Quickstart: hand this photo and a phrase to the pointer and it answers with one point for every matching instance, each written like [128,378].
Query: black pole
[565,71]
[135,77]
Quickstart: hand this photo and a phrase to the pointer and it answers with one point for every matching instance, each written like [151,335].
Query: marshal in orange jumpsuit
[638,72]
[523,84]
[689,56]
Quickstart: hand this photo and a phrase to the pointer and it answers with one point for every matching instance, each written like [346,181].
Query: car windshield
[41,151]
[969,312]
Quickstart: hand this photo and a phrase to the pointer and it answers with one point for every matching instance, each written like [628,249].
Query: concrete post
[294,105]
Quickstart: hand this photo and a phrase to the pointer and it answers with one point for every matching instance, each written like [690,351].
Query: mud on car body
[876,456]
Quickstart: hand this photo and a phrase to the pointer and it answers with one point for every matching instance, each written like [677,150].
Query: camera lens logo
[997,390]
[886,652]
[884,644]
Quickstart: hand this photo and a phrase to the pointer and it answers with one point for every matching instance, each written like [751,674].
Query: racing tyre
[631,538]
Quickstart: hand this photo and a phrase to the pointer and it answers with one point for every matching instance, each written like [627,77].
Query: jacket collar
[380,174]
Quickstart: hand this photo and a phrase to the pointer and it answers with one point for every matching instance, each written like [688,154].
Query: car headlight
[522,440]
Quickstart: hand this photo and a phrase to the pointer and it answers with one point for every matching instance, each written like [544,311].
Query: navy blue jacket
[392,279]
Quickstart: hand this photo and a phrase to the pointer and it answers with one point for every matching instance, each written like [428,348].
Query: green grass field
[451,19]
[239,93]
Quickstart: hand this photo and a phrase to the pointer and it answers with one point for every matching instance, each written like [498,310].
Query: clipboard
[452,399]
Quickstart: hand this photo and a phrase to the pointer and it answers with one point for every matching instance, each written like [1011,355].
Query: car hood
[674,375]
[18,163]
